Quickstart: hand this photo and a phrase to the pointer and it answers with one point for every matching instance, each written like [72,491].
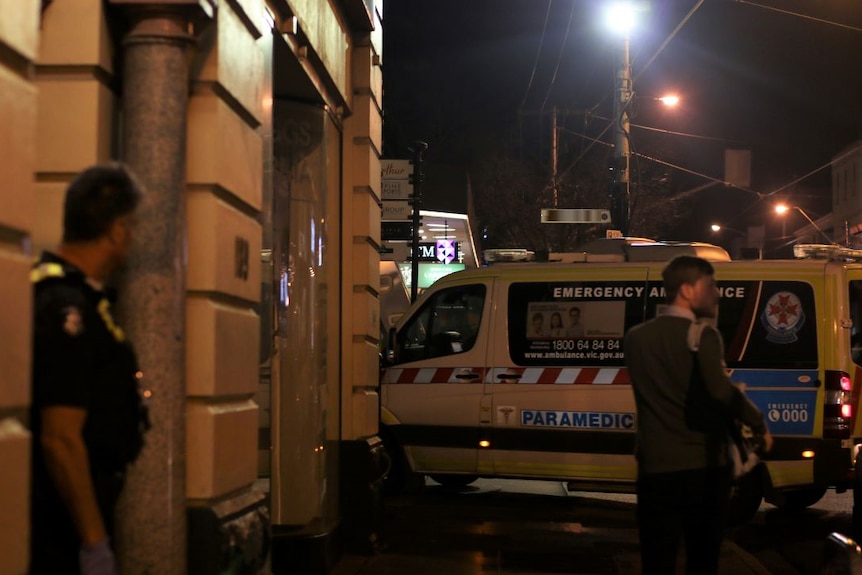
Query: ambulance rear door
[563,407]
[432,394]
[777,326]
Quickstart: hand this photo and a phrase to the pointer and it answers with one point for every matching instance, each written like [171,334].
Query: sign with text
[397,210]
[394,231]
[396,189]
[395,169]
[442,251]
[575,216]
[428,273]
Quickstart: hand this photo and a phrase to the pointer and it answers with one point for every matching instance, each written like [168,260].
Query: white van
[517,370]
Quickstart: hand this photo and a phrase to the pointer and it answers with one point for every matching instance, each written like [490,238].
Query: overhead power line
[673,133]
[812,172]
[664,44]
[696,173]
[538,53]
[669,38]
[798,15]
[559,56]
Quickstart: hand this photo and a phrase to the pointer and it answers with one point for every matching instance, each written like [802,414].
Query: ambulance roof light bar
[826,252]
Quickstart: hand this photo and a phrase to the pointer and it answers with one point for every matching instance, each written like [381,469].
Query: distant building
[846,214]
[843,225]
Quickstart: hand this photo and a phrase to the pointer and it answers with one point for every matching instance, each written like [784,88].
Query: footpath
[493,530]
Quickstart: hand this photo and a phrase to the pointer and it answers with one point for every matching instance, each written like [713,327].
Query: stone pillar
[362,452]
[151,534]
[19,45]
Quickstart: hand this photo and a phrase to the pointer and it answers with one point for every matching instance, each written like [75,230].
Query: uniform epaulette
[45,271]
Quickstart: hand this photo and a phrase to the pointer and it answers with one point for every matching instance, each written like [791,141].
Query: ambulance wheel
[745,498]
[799,499]
[453,480]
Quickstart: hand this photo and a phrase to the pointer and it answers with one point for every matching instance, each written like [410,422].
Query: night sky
[458,76]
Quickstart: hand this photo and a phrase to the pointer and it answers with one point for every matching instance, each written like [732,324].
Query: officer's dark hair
[96,198]
[683,270]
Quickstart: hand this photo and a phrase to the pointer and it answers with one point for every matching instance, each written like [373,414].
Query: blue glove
[98,559]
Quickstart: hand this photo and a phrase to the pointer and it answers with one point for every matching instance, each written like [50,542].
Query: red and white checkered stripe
[529,375]
[432,375]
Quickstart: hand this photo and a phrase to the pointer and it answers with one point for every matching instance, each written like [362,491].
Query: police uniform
[81,359]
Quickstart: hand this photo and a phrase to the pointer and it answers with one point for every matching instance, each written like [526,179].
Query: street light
[621,17]
[720,228]
[670,100]
[751,244]
[782,209]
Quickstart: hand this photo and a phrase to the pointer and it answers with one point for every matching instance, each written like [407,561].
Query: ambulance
[518,370]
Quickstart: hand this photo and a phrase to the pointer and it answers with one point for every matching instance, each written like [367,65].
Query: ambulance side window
[447,323]
[572,323]
[855,290]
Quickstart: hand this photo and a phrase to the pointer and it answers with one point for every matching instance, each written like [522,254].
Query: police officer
[87,416]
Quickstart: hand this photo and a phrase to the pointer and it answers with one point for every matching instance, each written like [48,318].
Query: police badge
[73,323]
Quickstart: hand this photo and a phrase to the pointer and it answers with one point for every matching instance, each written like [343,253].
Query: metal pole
[813,223]
[623,93]
[418,149]
[554,154]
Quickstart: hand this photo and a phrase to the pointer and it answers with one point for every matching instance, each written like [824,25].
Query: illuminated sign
[442,251]
[446,251]
[428,273]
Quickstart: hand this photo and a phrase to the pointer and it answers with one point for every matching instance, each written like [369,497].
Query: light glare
[620,16]
[670,100]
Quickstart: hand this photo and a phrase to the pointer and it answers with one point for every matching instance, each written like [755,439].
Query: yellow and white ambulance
[518,370]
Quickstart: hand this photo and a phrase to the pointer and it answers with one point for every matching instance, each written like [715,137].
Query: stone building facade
[252,294]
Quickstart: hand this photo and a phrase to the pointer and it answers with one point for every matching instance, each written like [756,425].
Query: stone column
[151,532]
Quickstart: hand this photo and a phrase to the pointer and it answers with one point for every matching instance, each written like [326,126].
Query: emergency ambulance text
[582,419]
[627,292]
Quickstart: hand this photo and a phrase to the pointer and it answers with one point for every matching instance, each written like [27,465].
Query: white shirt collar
[676,311]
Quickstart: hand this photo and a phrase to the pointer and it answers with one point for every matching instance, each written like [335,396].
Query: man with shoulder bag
[685,402]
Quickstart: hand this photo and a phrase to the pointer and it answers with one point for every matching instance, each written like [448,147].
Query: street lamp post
[782,209]
[621,198]
[621,17]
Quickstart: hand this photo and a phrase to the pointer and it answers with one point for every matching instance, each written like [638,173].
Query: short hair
[683,270]
[96,198]
[574,308]
[538,315]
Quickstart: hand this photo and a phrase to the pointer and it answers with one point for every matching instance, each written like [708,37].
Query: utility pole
[620,197]
[554,154]
[416,178]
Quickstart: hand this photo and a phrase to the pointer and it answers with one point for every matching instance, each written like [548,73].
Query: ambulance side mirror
[391,344]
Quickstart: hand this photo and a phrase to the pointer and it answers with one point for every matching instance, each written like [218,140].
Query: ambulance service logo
[783,317]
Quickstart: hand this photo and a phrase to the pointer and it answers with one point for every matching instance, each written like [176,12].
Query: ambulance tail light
[838,408]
